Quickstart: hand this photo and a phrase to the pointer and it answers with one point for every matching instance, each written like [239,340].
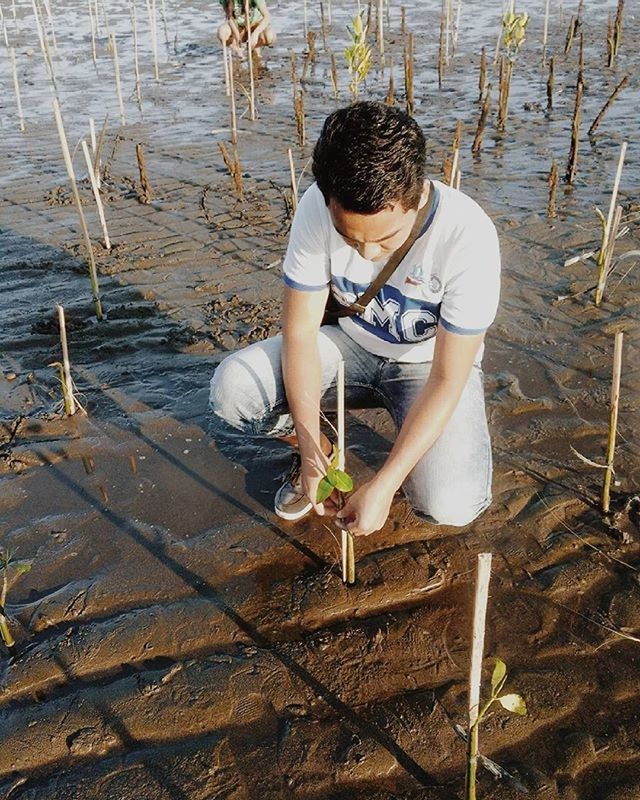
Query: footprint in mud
[92,741]
[507,390]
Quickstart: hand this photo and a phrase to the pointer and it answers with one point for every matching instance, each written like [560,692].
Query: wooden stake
[390,99]
[85,231]
[92,135]
[323,27]
[96,194]
[306,18]
[482,121]
[595,124]
[93,35]
[225,61]
[67,389]
[441,50]
[545,32]
[454,166]
[334,75]
[232,100]
[136,65]
[483,74]
[381,32]
[96,160]
[252,88]
[151,12]
[16,86]
[611,42]
[572,163]
[294,185]
[477,649]
[348,553]
[613,419]
[574,22]
[506,67]
[408,76]
[146,194]
[116,66]
[550,83]
[602,256]
[553,185]
[617,28]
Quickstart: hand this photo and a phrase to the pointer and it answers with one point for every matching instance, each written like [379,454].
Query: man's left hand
[367,509]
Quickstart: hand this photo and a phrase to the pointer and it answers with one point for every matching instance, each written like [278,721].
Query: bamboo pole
[116,67]
[409,77]
[613,419]
[381,32]
[96,194]
[477,648]
[390,99]
[348,552]
[334,75]
[232,100]
[602,259]
[252,88]
[94,55]
[225,61]
[96,159]
[596,122]
[136,65]
[454,166]
[85,231]
[294,186]
[92,136]
[67,389]
[323,27]
[441,51]
[306,18]
[16,87]
[151,11]
[545,33]
[47,8]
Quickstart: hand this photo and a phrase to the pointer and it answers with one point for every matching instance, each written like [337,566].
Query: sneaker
[290,501]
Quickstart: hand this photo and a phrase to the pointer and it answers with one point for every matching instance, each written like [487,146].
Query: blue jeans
[450,485]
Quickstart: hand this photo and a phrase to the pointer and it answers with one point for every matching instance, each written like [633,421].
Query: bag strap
[360,304]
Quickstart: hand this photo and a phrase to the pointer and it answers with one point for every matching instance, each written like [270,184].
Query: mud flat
[175,640]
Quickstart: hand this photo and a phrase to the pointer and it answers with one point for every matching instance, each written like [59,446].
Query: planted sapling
[510,702]
[14,568]
[358,55]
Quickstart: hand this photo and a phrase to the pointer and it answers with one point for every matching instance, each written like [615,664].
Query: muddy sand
[175,639]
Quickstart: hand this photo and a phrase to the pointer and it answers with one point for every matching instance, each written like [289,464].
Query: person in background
[233,32]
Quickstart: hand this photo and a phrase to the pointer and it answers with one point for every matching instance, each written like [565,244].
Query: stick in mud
[596,122]
[232,100]
[225,62]
[94,55]
[237,174]
[617,28]
[252,88]
[334,75]
[16,87]
[145,195]
[136,65]
[607,237]
[553,186]
[475,673]
[96,159]
[482,121]
[572,162]
[441,55]
[294,186]
[403,24]
[380,32]
[305,18]
[298,103]
[574,24]
[550,83]
[323,27]
[151,12]
[348,552]
[116,67]
[83,225]
[483,74]
[67,383]
[96,193]
[613,420]
[545,32]
[611,42]
[408,75]
[390,99]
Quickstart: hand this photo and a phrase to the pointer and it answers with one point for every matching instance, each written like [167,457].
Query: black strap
[360,304]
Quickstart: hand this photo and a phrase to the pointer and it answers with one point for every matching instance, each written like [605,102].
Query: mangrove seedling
[514,28]
[9,565]
[335,480]
[510,702]
[358,54]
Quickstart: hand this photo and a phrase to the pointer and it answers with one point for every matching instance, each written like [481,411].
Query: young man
[233,32]
[416,348]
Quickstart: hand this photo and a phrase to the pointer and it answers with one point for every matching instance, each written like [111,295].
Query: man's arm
[367,509]
[301,372]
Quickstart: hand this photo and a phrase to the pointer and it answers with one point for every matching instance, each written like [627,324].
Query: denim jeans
[450,485]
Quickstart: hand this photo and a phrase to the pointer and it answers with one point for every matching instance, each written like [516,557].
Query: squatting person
[233,32]
[415,349]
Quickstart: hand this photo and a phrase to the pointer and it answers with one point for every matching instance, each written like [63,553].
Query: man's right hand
[313,470]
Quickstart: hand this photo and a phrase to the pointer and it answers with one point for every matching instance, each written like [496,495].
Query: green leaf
[513,703]
[21,567]
[334,456]
[499,674]
[342,481]
[325,487]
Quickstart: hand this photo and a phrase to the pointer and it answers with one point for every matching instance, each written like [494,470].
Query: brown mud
[175,639]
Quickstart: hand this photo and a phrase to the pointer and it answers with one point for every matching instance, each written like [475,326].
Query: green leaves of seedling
[334,479]
[499,676]
[513,703]
[510,702]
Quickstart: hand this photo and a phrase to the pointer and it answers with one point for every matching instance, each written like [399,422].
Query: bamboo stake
[294,187]
[477,649]
[545,32]
[550,83]
[458,178]
[96,14]
[306,19]
[595,124]
[441,51]
[553,185]
[93,36]
[323,27]
[617,27]
[225,61]
[4,29]
[136,65]
[454,38]
[96,194]
[613,419]
[348,553]
[92,136]
[151,11]
[47,8]
[232,100]
[252,88]
[67,388]
[602,265]
[334,75]
[85,231]
[611,42]
[447,6]
[482,121]
[329,13]
[237,174]
[390,99]
[409,77]
[96,160]
[381,32]
[16,86]
[454,166]
[483,74]
[116,67]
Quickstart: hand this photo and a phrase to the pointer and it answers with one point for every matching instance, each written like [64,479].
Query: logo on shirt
[435,284]
[416,276]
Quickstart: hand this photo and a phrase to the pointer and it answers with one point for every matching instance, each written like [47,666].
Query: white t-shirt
[451,275]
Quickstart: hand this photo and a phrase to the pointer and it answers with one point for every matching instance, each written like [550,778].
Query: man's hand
[313,471]
[367,509]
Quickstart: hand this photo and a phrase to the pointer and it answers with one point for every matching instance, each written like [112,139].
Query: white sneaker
[290,501]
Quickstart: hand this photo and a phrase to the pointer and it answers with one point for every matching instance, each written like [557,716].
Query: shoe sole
[292,516]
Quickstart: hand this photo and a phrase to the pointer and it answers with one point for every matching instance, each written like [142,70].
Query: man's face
[374,236]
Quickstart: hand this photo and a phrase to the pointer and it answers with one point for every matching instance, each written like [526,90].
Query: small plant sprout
[514,28]
[608,233]
[510,702]
[358,55]
[336,479]
[11,568]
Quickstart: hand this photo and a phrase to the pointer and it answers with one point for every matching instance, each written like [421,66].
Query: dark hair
[368,156]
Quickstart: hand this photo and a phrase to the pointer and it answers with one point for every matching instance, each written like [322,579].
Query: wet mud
[175,639]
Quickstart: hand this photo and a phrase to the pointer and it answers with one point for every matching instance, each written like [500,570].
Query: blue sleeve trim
[303,287]
[448,326]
